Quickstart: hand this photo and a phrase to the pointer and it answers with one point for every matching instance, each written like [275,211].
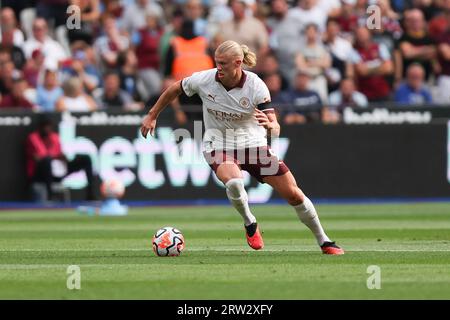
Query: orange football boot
[331,248]
[255,241]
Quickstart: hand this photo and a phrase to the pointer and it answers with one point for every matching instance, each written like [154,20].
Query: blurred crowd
[316,56]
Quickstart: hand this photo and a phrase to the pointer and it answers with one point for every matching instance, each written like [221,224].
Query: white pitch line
[198,249]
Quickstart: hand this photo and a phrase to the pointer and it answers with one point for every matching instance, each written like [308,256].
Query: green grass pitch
[409,242]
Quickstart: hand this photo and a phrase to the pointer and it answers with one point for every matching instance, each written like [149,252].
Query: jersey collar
[240,83]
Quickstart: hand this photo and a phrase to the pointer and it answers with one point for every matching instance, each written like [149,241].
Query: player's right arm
[149,122]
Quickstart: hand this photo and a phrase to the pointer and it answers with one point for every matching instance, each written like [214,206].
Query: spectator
[111,96]
[9,33]
[16,98]
[81,65]
[340,50]
[360,7]
[348,19]
[347,96]
[274,84]
[309,12]
[52,50]
[413,91]
[193,10]
[134,17]
[49,92]
[15,54]
[372,63]
[390,30]
[284,38]
[314,60]
[114,8]
[219,12]
[44,155]
[111,43]
[74,100]
[187,54]
[415,45]
[33,67]
[147,42]
[129,76]
[439,23]
[305,103]
[11,37]
[443,82]
[246,29]
[269,66]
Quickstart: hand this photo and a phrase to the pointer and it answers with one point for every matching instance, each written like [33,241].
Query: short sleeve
[262,96]
[355,57]
[190,85]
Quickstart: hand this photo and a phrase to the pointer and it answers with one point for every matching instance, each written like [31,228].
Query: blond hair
[239,50]
[71,86]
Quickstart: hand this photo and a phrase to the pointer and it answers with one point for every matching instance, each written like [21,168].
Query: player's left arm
[268,120]
[264,112]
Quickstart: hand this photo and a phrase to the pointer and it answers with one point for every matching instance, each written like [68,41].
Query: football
[168,241]
[112,188]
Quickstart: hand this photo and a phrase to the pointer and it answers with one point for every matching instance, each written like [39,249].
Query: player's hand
[262,119]
[148,125]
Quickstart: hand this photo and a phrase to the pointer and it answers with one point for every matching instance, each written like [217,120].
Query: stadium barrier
[394,159]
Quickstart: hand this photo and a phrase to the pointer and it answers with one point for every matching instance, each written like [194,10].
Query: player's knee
[235,188]
[295,197]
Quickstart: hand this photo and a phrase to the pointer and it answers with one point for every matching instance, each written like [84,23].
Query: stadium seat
[61,37]
[27,17]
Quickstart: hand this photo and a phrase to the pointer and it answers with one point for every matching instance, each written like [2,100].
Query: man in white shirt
[238,117]
[52,50]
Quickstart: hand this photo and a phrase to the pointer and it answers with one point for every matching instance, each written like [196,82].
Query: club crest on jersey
[244,102]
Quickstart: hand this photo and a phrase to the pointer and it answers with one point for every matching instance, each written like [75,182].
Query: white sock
[239,199]
[308,215]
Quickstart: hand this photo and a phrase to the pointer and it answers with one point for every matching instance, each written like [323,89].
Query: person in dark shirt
[414,46]
[16,99]
[304,104]
[111,96]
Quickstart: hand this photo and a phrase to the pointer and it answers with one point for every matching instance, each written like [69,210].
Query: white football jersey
[228,115]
